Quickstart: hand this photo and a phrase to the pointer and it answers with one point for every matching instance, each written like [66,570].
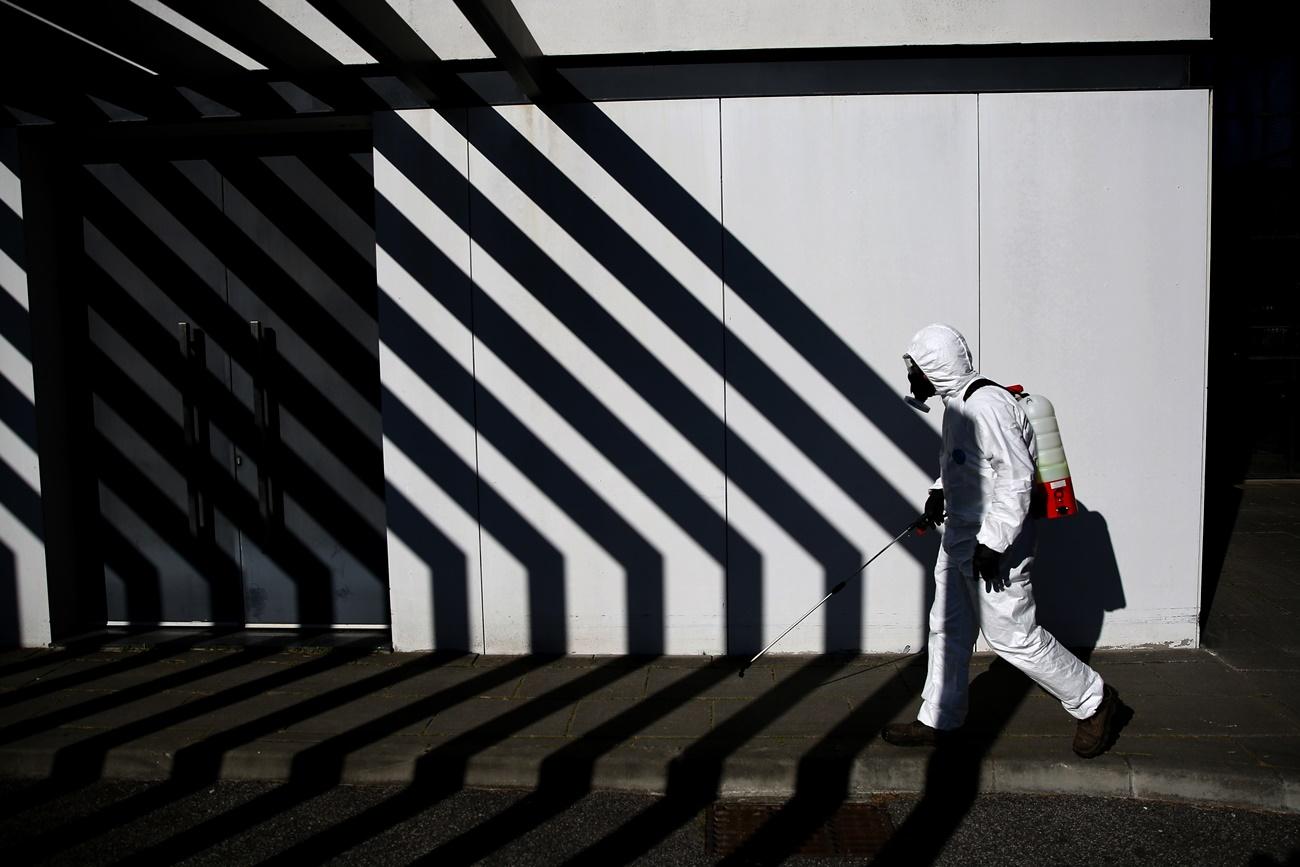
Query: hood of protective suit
[943,356]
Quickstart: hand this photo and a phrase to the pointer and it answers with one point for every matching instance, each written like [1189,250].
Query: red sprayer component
[1053,470]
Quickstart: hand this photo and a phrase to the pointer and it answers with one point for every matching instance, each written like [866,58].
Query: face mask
[922,389]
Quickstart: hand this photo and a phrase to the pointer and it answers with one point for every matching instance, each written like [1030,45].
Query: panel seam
[726,465]
[473,375]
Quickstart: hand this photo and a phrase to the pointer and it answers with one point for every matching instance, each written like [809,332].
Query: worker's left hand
[987,568]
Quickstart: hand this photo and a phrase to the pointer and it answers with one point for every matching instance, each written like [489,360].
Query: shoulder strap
[977,385]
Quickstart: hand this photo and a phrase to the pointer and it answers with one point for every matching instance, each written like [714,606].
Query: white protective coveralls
[986,470]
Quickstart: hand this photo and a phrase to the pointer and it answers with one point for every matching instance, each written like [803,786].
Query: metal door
[236,390]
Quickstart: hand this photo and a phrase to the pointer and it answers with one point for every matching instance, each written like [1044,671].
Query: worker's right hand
[933,514]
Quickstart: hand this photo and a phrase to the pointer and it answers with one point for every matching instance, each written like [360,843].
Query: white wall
[1094,224]
[25,618]
[637,26]
[1064,233]
[865,208]
[613,26]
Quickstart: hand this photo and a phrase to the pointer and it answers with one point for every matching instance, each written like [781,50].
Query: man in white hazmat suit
[986,478]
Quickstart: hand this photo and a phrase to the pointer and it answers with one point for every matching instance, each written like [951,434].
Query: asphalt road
[246,823]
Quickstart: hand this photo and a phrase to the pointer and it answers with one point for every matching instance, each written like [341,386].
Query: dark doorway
[234,376]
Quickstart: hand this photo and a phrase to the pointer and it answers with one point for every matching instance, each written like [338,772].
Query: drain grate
[852,829]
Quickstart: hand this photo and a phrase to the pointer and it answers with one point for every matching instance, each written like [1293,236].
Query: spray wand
[918,525]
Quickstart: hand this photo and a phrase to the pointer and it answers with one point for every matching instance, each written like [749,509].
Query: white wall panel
[862,211]
[1094,220]
[24,597]
[573,272]
[612,26]
[426,364]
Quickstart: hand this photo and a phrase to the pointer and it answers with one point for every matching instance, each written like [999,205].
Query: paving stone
[21,668]
[268,711]
[1253,659]
[1198,675]
[1279,687]
[811,717]
[622,718]
[860,683]
[1282,752]
[400,681]
[497,719]
[607,679]
[390,716]
[1034,713]
[1198,716]
[717,681]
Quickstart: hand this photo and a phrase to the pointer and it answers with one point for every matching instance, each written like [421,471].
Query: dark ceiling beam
[39,60]
[286,52]
[502,28]
[179,59]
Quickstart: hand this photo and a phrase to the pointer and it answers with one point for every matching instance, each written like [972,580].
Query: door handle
[198,442]
[266,413]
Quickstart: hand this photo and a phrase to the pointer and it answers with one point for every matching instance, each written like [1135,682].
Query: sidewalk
[1220,725]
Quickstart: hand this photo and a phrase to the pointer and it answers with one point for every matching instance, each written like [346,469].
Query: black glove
[987,568]
[933,514]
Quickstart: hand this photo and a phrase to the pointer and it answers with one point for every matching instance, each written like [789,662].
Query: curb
[754,771]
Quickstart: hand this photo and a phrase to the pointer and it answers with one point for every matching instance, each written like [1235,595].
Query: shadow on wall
[9,625]
[1076,578]
[239,468]
[573,394]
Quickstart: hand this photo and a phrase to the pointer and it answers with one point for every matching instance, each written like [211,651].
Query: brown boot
[915,734]
[1094,734]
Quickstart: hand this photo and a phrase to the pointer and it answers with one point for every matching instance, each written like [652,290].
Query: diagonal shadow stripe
[659,193]
[52,683]
[336,515]
[641,561]
[11,237]
[15,324]
[305,227]
[353,362]
[425,262]
[448,570]
[89,644]
[548,629]
[695,776]
[533,269]
[199,764]
[179,283]
[139,576]
[122,697]
[310,574]
[214,566]
[566,774]
[824,777]
[21,500]
[320,766]
[441,772]
[17,412]
[647,279]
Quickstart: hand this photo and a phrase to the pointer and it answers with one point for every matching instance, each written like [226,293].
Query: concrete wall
[637,26]
[641,361]
[24,603]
